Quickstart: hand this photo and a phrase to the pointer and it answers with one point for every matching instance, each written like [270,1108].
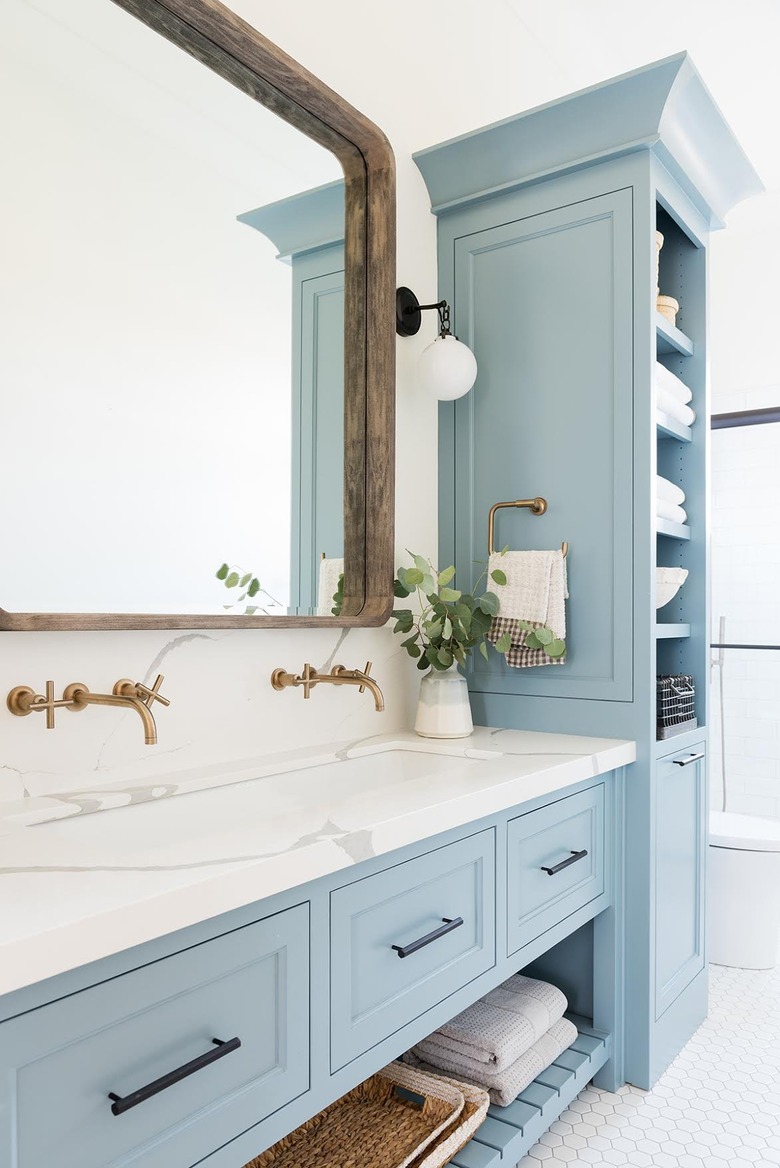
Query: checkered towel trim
[518,656]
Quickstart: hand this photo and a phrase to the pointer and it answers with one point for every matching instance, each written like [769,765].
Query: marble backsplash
[223,708]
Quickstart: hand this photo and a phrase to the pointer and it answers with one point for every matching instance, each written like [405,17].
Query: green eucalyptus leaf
[434,629]
[251,609]
[232,580]
[428,584]
[413,577]
[409,640]
[446,631]
[413,650]
[449,594]
[489,603]
[532,641]
[446,576]
[423,662]
[459,654]
[497,576]
[421,563]
[223,571]
[241,597]
[483,649]
[467,599]
[480,621]
[245,579]
[399,590]
[254,587]
[504,550]
[544,635]
[445,658]
[432,653]
[556,648]
[504,643]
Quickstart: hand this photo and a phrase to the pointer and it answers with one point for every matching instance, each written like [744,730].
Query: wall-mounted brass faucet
[339,675]
[131,695]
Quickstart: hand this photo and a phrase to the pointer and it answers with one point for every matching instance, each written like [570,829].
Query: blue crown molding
[302,223]
[664,107]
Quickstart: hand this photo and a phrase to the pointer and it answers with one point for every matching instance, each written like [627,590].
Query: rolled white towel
[669,492]
[669,404]
[670,511]
[669,381]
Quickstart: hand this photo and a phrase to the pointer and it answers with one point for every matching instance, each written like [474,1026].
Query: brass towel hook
[536,506]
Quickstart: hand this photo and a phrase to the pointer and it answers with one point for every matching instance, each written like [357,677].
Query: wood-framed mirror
[197,345]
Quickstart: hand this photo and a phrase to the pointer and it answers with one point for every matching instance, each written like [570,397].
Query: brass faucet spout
[80,697]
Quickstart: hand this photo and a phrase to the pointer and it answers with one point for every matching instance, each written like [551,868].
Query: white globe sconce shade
[447,369]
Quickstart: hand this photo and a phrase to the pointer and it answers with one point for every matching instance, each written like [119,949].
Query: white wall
[440,73]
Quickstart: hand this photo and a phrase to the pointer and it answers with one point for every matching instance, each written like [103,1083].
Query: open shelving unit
[508,1132]
[670,339]
[667,631]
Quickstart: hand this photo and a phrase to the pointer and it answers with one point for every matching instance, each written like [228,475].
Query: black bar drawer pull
[572,859]
[448,924]
[121,1103]
[687,761]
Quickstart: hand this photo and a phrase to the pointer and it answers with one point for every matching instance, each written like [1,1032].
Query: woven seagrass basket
[399,1118]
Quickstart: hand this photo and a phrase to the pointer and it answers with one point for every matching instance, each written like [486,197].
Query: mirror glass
[171,330]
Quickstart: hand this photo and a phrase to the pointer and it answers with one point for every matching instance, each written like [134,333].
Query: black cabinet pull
[447,926]
[687,761]
[572,859]
[121,1103]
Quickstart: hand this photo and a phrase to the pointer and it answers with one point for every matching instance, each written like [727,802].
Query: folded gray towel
[504,1086]
[503,1025]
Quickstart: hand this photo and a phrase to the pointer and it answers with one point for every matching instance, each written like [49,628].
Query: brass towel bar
[536,506]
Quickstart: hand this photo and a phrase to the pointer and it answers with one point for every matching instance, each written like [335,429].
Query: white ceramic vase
[443,710]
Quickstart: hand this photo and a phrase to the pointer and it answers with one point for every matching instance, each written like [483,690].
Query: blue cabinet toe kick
[508,1132]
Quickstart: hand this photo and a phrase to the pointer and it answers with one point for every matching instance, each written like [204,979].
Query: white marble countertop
[92,872]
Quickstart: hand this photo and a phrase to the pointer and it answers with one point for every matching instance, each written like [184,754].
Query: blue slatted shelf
[673,530]
[669,427]
[669,631]
[669,339]
[508,1132]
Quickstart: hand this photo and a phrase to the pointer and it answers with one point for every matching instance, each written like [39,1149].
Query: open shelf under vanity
[508,1132]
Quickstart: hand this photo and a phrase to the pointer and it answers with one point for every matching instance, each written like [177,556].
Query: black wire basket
[675,704]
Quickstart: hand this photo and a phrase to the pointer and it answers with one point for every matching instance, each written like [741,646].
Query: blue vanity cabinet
[62,1064]
[321,986]
[547,254]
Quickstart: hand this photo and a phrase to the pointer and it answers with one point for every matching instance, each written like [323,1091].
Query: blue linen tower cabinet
[546,242]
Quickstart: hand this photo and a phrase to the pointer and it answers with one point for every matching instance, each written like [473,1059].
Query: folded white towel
[671,383]
[670,511]
[497,1029]
[504,1086]
[670,405]
[330,570]
[668,491]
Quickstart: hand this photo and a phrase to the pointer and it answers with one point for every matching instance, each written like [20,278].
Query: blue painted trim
[664,107]
[302,223]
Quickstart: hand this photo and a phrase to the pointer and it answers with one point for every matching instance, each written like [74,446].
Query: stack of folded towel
[503,1041]
[669,499]
[672,395]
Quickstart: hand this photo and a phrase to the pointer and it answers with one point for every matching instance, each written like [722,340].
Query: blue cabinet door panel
[375,991]
[681,848]
[546,304]
[61,1062]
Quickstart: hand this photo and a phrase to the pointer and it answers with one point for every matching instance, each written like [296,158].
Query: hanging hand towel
[669,492]
[330,570]
[671,383]
[535,591]
[671,512]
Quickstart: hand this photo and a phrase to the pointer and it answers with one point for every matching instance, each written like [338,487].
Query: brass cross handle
[366,673]
[22,701]
[309,679]
[135,689]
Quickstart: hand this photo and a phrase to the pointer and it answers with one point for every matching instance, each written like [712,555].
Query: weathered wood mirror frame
[214,35]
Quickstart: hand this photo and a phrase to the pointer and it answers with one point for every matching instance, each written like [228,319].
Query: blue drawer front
[63,1059]
[547,838]
[374,991]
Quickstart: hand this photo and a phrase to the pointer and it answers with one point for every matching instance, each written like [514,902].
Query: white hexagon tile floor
[717,1105]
